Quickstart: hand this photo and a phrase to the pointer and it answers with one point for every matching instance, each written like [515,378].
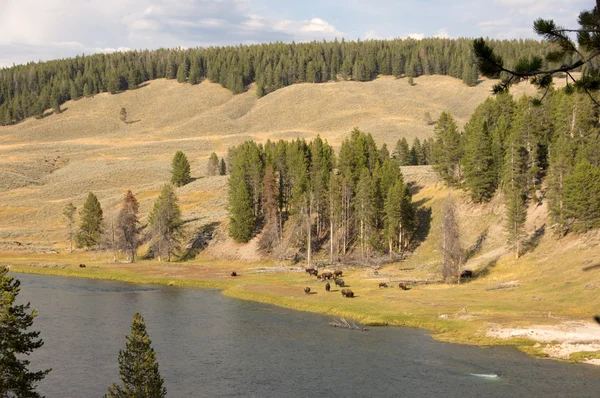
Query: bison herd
[336,276]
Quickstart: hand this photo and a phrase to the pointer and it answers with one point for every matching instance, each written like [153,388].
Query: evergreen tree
[402,152]
[182,73]
[581,197]
[447,149]
[133,79]
[123,115]
[16,380]
[364,204]
[166,224]
[90,224]
[180,170]
[195,74]
[515,190]
[222,167]
[272,220]
[138,367]
[478,165]
[69,215]
[242,223]
[128,228]
[213,165]
[393,215]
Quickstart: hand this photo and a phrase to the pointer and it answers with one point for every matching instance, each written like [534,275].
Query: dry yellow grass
[46,163]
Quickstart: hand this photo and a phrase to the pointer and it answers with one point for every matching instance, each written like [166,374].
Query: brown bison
[402,286]
[349,294]
[312,271]
[344,291]
[326,275]
[340,282]
[327,287]
[466,274]
[81,265]
[233,273]
[337,273]
[307,290]
[383,284]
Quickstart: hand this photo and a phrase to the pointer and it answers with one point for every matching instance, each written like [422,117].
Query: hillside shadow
[534,241]
[591,267]
[201,239]
[414,187]
[424,216]
[476,248]
[481,271]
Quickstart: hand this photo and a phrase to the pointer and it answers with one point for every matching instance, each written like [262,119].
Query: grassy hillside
[46,163]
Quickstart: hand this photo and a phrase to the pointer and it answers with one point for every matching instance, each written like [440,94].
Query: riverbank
[462,314]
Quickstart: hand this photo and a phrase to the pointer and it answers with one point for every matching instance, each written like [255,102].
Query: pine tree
[271,231]
[128,228]
[402,152]
[364,203]
[408,220]
[195,74]
[123,115]
[242,222]
[166,224]
[180,170]
[222,167]
[515,190]
[69,215]
[90,225]
[133,79]
[213,165]
[478,165]
[138,367]
[447,149]
[393,215]
[581,197]
[16,343]
[182,73]
[86,90]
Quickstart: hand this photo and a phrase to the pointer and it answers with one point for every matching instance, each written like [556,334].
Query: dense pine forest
[530,151]
[358,199]
[30,90]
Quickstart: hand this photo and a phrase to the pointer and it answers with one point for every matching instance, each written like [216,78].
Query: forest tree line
[356,200]
[530,151]
[29,90]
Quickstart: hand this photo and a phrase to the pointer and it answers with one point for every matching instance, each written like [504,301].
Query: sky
[34,30]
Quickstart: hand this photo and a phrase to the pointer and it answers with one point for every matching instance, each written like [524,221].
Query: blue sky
[32,30]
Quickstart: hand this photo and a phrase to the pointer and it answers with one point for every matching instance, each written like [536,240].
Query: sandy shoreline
[560,340]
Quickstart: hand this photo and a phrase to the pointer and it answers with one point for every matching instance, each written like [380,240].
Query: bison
[340,282]
[344,291]
[349,294]
[466,274]
[383,284]
[81,265]
[327,275]
[402,286]
[327,287]
[307,290]
[337,273]
[233,273]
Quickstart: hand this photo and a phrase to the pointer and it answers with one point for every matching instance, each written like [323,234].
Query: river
[209,345]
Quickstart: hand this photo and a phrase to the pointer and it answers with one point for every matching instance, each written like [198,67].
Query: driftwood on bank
[343,323]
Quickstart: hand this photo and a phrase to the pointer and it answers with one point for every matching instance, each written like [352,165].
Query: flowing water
[210,345]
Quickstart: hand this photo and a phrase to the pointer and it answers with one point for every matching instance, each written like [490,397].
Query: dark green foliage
[138,367]
[222,167]
[563,56]
[581,197]
[447,149]
[344,204]
[166,224]
[27,90]
[402,152]
[478,164]
[180,170]
[242,223]
[90,223]
[16,343]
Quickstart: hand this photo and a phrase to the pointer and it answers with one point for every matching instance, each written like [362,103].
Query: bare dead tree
[451,249]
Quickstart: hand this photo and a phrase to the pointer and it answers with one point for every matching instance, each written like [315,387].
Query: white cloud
[318,25]
[416,36]
[442,34]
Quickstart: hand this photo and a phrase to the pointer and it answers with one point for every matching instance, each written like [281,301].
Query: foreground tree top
[564,54]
